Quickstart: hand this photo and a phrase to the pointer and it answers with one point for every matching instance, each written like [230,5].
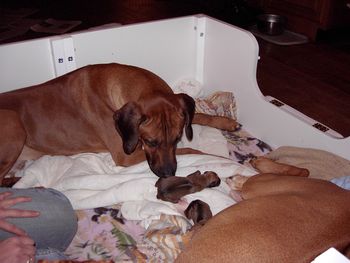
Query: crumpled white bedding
[93,180]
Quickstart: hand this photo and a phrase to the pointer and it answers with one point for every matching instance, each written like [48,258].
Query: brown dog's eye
[151,143]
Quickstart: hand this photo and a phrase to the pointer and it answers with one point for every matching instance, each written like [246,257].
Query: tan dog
[83,110]
[282,218]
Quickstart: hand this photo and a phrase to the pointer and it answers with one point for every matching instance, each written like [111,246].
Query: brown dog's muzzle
[162,162]
[164,172]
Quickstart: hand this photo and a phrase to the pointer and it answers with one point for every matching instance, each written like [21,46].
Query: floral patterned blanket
[103,233]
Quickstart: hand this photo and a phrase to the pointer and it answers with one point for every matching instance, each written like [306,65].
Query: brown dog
[81,111]
[282,218]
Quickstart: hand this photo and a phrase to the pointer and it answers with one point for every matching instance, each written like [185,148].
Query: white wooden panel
[63,55]
[25,63]
[230,62]
[166,47]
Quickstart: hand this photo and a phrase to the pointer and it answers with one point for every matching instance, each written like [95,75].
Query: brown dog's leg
[12,139]
[266,165]
[187,150]
[120,158]
[10,181]
[219,122]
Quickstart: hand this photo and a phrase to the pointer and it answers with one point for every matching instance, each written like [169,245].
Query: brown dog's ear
[188,105]
[127,121]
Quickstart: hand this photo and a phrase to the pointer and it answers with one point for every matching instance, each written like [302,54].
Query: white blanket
[93,180]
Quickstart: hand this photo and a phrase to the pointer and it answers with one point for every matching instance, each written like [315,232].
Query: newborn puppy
[172,188]
[207,179]
[199,212]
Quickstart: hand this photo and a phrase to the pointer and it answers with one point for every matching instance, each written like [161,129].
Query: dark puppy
[171,189]
[199,212]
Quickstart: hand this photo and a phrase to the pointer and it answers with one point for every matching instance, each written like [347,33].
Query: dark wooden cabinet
[308,16]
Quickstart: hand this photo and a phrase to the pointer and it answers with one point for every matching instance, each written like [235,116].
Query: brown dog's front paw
[263,164]
[231,125]
[218,122]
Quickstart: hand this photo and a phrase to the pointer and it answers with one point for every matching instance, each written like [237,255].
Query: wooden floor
[313,78]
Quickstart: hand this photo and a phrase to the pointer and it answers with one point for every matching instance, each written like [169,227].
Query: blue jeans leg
[56,226]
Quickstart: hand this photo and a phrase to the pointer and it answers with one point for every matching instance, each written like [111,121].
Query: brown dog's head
[157,125]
